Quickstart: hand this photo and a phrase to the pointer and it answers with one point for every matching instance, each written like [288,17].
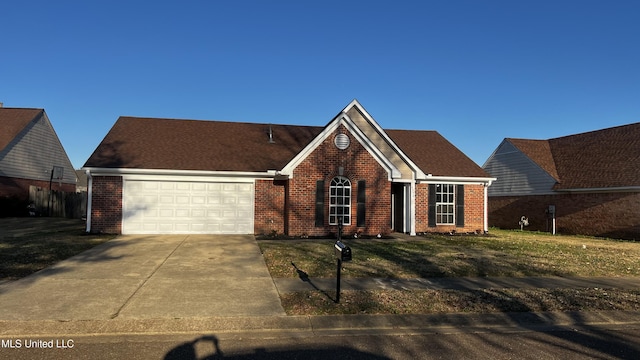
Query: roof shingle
[434,154]
[596,159]
[13,121]
[151,143]
[199,145]
[540,152]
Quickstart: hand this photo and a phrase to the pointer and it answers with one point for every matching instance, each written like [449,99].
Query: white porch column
[486,206]
[89,198]
[412,201]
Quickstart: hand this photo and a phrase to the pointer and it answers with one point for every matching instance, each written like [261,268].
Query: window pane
[340,200]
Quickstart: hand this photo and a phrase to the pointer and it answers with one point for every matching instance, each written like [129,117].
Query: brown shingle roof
[13,121]
[150,143]
[434,154]
[199,145]
[540,152]
[597,159]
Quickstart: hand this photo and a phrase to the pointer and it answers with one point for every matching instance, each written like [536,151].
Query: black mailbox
[343,252]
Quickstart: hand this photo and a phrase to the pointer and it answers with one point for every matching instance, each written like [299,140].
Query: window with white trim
[445,204]
[340,201]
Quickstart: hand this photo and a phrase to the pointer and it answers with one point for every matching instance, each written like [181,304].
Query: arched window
[340,201]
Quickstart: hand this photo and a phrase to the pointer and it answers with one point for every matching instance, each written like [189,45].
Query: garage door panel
[182,199]
[198,213]
[152,185]
[198,200]
[165,228]
[165,214]
[183,213]
[166,199]
[187,207]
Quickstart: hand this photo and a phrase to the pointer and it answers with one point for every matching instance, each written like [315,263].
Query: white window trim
[445,203]
[333,205]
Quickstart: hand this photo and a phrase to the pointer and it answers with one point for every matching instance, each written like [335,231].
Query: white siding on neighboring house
[34,152]
[516,173]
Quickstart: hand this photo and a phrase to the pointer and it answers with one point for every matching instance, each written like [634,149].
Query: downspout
[89,198]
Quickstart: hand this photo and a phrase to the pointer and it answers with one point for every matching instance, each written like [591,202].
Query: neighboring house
[29,152]
[591,180]
[187,176]
[81,185]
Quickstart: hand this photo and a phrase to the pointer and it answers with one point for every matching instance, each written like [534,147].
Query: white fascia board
[457,180]
[166,174]
[287,170]
[419,174]
[343,119]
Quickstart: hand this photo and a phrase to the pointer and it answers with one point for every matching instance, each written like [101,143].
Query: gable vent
[341,141]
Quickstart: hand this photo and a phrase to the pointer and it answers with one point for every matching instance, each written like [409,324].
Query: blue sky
[475,71]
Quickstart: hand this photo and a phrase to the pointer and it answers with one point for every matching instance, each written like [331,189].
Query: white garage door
[180,207]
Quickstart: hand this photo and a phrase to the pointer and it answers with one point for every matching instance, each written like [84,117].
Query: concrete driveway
[149,277]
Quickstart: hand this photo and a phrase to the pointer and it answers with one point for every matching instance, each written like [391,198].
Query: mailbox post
[343,253]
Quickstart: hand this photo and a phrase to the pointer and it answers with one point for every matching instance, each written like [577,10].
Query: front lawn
[42,243]
[503,253]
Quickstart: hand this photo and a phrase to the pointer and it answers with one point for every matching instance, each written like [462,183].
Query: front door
[398,207]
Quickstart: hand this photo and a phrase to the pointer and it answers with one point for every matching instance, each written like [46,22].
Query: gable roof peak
[14,121]
[353,103]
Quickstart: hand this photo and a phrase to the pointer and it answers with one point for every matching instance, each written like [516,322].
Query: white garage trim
[187,205]
[156,173]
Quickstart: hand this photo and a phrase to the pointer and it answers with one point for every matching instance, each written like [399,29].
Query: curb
[324,324]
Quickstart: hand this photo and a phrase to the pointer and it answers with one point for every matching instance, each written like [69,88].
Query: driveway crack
[144,282]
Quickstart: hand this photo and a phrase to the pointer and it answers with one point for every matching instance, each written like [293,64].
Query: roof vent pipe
[271,135]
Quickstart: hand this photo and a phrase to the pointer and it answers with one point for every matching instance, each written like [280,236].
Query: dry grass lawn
[23,252]
[503,253]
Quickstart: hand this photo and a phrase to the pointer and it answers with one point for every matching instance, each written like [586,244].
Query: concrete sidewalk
[329,284]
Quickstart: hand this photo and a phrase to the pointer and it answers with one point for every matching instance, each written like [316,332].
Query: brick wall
[323,164]
[106,204]
[422,208]
[614,215]
[473,210]
[270,206]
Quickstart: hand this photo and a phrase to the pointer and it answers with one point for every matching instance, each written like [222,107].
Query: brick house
[591,181]
[188,176]
[29,152]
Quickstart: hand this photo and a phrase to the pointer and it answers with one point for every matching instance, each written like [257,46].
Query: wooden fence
[58,203]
